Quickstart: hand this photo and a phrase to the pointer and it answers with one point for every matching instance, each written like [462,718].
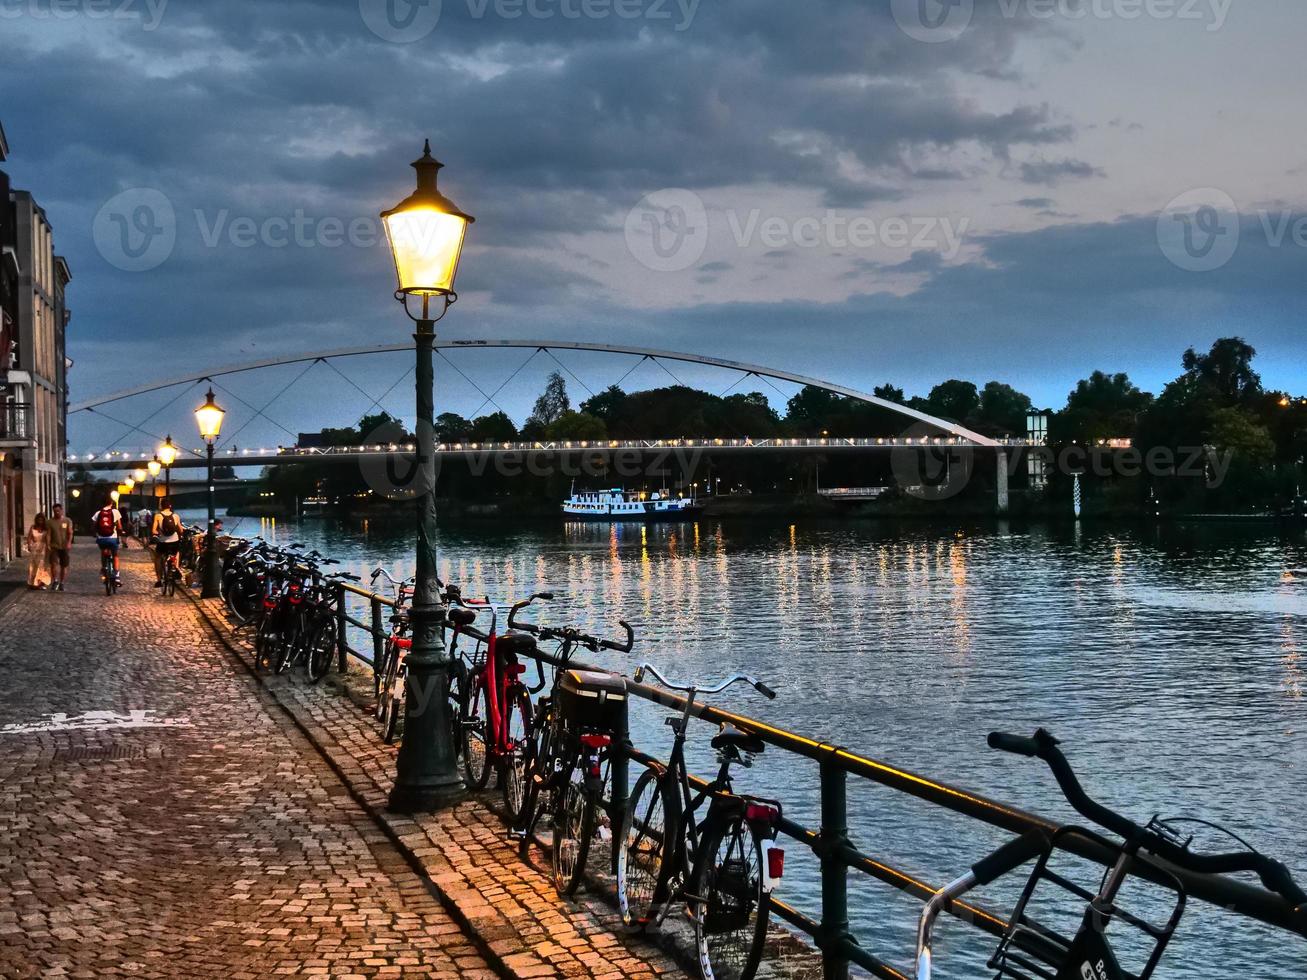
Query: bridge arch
[960,431]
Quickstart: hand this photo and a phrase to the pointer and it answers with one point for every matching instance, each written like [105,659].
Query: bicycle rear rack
[1031,951]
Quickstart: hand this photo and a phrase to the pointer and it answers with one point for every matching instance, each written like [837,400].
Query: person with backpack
[167,535]
[109,534]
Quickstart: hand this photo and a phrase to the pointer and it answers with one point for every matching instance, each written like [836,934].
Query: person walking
[61,544]
[166,533]
[38,553]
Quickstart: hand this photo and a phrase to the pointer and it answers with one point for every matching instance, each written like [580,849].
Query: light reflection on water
[1169,661]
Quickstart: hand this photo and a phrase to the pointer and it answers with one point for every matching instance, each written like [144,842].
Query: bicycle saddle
[733,737]
[514,643]
[462,617]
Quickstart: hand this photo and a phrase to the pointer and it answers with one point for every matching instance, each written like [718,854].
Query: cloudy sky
[861,190]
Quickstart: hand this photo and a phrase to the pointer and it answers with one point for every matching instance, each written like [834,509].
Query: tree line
[1217,401]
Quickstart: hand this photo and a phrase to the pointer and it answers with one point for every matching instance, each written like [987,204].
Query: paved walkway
[166,813]
[161,816]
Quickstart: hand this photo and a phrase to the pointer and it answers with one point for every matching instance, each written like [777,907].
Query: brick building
[33,364]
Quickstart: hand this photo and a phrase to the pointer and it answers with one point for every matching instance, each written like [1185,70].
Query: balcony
[16,428]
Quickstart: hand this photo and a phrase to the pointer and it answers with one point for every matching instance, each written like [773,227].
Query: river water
[1169,661]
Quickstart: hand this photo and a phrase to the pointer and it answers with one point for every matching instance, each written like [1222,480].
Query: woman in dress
[38,553]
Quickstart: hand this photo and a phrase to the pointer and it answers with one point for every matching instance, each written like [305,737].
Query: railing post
[834,872]
[342,623]
[378,636]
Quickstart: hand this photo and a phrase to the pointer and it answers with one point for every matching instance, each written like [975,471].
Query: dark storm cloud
[550,127]
[1056,171]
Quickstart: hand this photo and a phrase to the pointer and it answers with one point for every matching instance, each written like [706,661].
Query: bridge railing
[833,841]
[124,457]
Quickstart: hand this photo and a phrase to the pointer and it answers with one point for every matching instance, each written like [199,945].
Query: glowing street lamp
[167,456]
[426,232]
[209,418]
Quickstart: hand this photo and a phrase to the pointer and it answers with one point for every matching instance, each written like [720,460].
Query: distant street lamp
[154,466]
[209,418]
[426,232]
[167,456]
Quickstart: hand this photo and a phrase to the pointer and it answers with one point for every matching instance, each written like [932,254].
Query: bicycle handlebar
[757,685]
[1042,745]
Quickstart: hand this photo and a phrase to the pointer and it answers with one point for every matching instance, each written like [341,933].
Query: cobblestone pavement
[509,904]
[161,816]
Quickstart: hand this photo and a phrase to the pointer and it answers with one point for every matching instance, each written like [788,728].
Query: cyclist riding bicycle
[167,534]
[109,534]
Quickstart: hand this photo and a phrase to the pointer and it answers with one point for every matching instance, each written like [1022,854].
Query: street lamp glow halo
[138,474]
[209,418]
[154,466]
[426,232]
[167,452]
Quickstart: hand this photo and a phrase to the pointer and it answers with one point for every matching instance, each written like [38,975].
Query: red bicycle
[495,708]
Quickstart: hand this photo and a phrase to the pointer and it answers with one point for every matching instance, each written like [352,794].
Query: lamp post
[209,418]
[167,456]
[426,232]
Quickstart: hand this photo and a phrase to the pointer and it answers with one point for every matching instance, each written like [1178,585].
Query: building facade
[33,365]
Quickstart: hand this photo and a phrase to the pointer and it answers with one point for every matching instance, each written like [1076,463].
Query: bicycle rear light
[773,865]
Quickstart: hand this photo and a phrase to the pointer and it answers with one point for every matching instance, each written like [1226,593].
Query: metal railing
[282,454]
[832,841]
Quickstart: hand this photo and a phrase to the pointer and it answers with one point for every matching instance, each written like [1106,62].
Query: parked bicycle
[573,731]
[495,708]
[723,866]
[1031,949]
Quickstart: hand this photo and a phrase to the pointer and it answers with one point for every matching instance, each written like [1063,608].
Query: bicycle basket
[730,900]
[593,700]
[1031,950]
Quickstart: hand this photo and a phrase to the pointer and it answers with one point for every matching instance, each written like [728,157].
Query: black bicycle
[1031,950]
[724,866]
[568,755]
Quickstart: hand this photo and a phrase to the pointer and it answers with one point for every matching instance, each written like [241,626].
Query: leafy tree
[451,427]
[1239,431]
[381,427]
[495,427]
[1227,369]
[888,392]
[1003,407]
[812,409]
[608,405]
[955,400]
[1102,406]
[552,403]
[577,426]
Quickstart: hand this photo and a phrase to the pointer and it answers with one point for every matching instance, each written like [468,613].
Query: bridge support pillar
[1000,482]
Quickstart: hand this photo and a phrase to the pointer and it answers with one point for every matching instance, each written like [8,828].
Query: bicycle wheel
[106,573]
[266,643]
[322,648]
[642,862]
[379,673]
[289,645]
[574,829]
[513,776]
[731,907]
[396,678]
[473,715]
